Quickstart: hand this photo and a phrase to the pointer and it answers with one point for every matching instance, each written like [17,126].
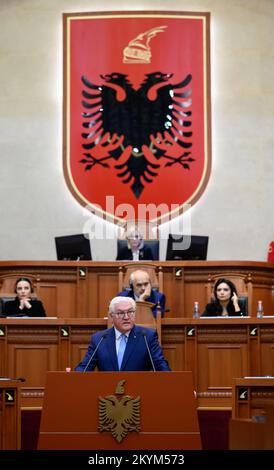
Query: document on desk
[259,377]
[15,317]
[229,317]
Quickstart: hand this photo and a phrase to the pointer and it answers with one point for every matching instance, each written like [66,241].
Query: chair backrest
[244,302]
[7,283]
[152,244]
[155,274]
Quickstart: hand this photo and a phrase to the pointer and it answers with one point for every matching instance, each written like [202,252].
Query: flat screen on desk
[187,247]
[73,247]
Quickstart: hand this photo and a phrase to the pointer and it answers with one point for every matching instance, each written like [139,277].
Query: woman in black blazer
[225,302]
[136,249]
[23,304]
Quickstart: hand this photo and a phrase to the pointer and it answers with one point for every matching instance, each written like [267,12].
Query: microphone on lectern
[94,352]
[148,350]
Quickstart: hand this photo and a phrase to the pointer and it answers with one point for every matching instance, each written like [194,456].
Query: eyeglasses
[130,313]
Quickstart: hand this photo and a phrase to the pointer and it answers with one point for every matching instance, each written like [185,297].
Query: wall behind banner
[236,210]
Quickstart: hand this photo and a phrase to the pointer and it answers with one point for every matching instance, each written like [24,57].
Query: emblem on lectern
[119,416]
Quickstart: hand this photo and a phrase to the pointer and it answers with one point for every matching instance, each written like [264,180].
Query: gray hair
[120,300]
[132,275]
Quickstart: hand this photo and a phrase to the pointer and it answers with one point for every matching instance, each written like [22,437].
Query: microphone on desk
[94,352]
[148,350]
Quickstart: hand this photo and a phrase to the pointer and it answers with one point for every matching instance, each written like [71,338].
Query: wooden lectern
[252,423]
[119,411]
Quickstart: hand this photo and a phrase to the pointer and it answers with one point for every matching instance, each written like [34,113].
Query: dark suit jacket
[136,356]
[144,254]
[11,308]
[155,297]
[214,309]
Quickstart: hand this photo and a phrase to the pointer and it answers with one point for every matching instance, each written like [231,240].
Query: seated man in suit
[136,249]
[125,346]
[140,289]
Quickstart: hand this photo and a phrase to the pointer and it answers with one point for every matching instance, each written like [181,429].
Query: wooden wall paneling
[102,287]
[263,289]
[64,347]
[58,290]
[67,300]
[31,352]
[267,350]
[48,296]
[92,294]
[3,350]
[222,355]
[66,283]
[195,291]
[107,289]
[254,349]
[81,292]
[191,350]
[173,345]
[173,288]
[80,336]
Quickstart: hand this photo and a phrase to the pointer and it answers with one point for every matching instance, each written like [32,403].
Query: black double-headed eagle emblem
[137,130]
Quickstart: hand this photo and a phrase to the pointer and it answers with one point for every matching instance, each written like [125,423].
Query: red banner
[137,112]
[270,254]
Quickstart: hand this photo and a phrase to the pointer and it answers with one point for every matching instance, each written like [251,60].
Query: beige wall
[236,210]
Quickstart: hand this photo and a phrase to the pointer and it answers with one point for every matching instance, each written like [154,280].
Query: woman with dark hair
[23,305]
[225,302]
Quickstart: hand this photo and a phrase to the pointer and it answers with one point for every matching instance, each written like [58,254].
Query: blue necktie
[121,350]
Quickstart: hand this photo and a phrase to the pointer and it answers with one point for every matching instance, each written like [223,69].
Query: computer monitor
[73,247]
[180,247]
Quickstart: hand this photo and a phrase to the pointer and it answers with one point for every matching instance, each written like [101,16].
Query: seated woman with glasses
[136,248]
[125,346]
